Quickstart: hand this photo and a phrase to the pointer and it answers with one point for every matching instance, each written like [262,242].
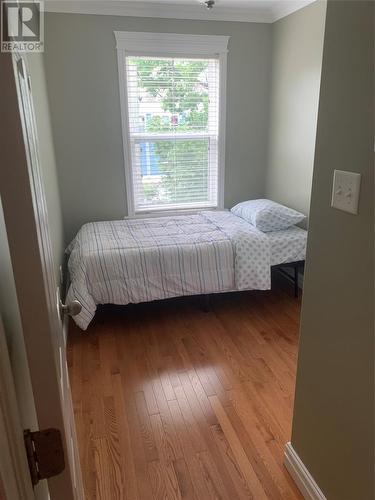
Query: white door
[30,247]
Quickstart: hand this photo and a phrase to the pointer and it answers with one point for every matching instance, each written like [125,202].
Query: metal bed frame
[281,268]
[296,267]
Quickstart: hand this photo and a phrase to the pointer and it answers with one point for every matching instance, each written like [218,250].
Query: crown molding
[162,42]
[286,7]
[158,10]
[257,13]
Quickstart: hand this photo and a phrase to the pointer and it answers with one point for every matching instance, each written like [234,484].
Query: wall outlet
[345,192]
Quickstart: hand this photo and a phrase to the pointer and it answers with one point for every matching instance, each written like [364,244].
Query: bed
[141,260]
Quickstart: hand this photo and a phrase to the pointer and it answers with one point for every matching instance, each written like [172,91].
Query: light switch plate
[345,192]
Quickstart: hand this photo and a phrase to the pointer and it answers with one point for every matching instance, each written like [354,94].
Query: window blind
[173,113]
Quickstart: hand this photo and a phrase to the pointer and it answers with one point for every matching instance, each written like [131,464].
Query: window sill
[170,212]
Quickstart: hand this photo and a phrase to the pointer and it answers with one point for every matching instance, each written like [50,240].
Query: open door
[28,233]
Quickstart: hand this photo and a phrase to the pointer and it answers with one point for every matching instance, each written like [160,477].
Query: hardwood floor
[175,403]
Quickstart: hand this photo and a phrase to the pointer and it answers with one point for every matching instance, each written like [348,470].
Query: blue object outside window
[149,159]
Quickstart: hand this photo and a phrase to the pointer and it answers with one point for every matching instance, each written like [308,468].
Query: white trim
[129,42]
[14,471]
[170,213]
[159,10]
[177,208]
[136,41]
[222,127]
[301,476]
[252,14]
[125,130]
[152,136]
[287,7]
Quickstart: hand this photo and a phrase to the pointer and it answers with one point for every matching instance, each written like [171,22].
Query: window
[173,107]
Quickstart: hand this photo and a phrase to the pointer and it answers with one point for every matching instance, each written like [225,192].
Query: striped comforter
[140,260]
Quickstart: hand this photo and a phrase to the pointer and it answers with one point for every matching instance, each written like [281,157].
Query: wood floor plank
[253,482]
[113,447]
[267,470]
[192,407]
[174,449]
[157,480]
[86,450]
[242,488]
[103,488]
[195,393]
[174,403]
[166,465]
[214,481]
[191,423]
[152,406]
[146,431]
[184,480]
[190,456]
[132,459]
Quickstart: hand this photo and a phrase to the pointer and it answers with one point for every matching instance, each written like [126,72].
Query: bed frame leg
[296,290]
[207,303]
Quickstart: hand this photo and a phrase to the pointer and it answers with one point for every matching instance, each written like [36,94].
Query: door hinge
[45,453]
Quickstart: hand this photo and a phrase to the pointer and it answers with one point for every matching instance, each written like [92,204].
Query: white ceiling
[262,11]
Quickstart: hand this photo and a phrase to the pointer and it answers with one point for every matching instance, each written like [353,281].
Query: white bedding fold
[252,251]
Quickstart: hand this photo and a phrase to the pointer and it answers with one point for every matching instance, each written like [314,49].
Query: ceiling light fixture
[209,4]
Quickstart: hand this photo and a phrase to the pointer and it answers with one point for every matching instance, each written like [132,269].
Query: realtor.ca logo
[22,26]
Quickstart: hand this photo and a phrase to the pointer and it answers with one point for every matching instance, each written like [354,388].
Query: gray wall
[333,427]
[297,49]
[82,77]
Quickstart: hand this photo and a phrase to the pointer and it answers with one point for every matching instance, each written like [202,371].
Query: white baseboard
[302,477]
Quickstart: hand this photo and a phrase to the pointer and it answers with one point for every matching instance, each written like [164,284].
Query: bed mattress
[140,260]
[288,245]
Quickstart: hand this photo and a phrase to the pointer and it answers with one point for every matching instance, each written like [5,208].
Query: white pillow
[266,215]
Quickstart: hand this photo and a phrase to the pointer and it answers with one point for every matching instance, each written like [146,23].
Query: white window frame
[129,43]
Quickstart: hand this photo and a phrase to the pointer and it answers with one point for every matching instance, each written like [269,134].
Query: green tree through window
[179,88]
